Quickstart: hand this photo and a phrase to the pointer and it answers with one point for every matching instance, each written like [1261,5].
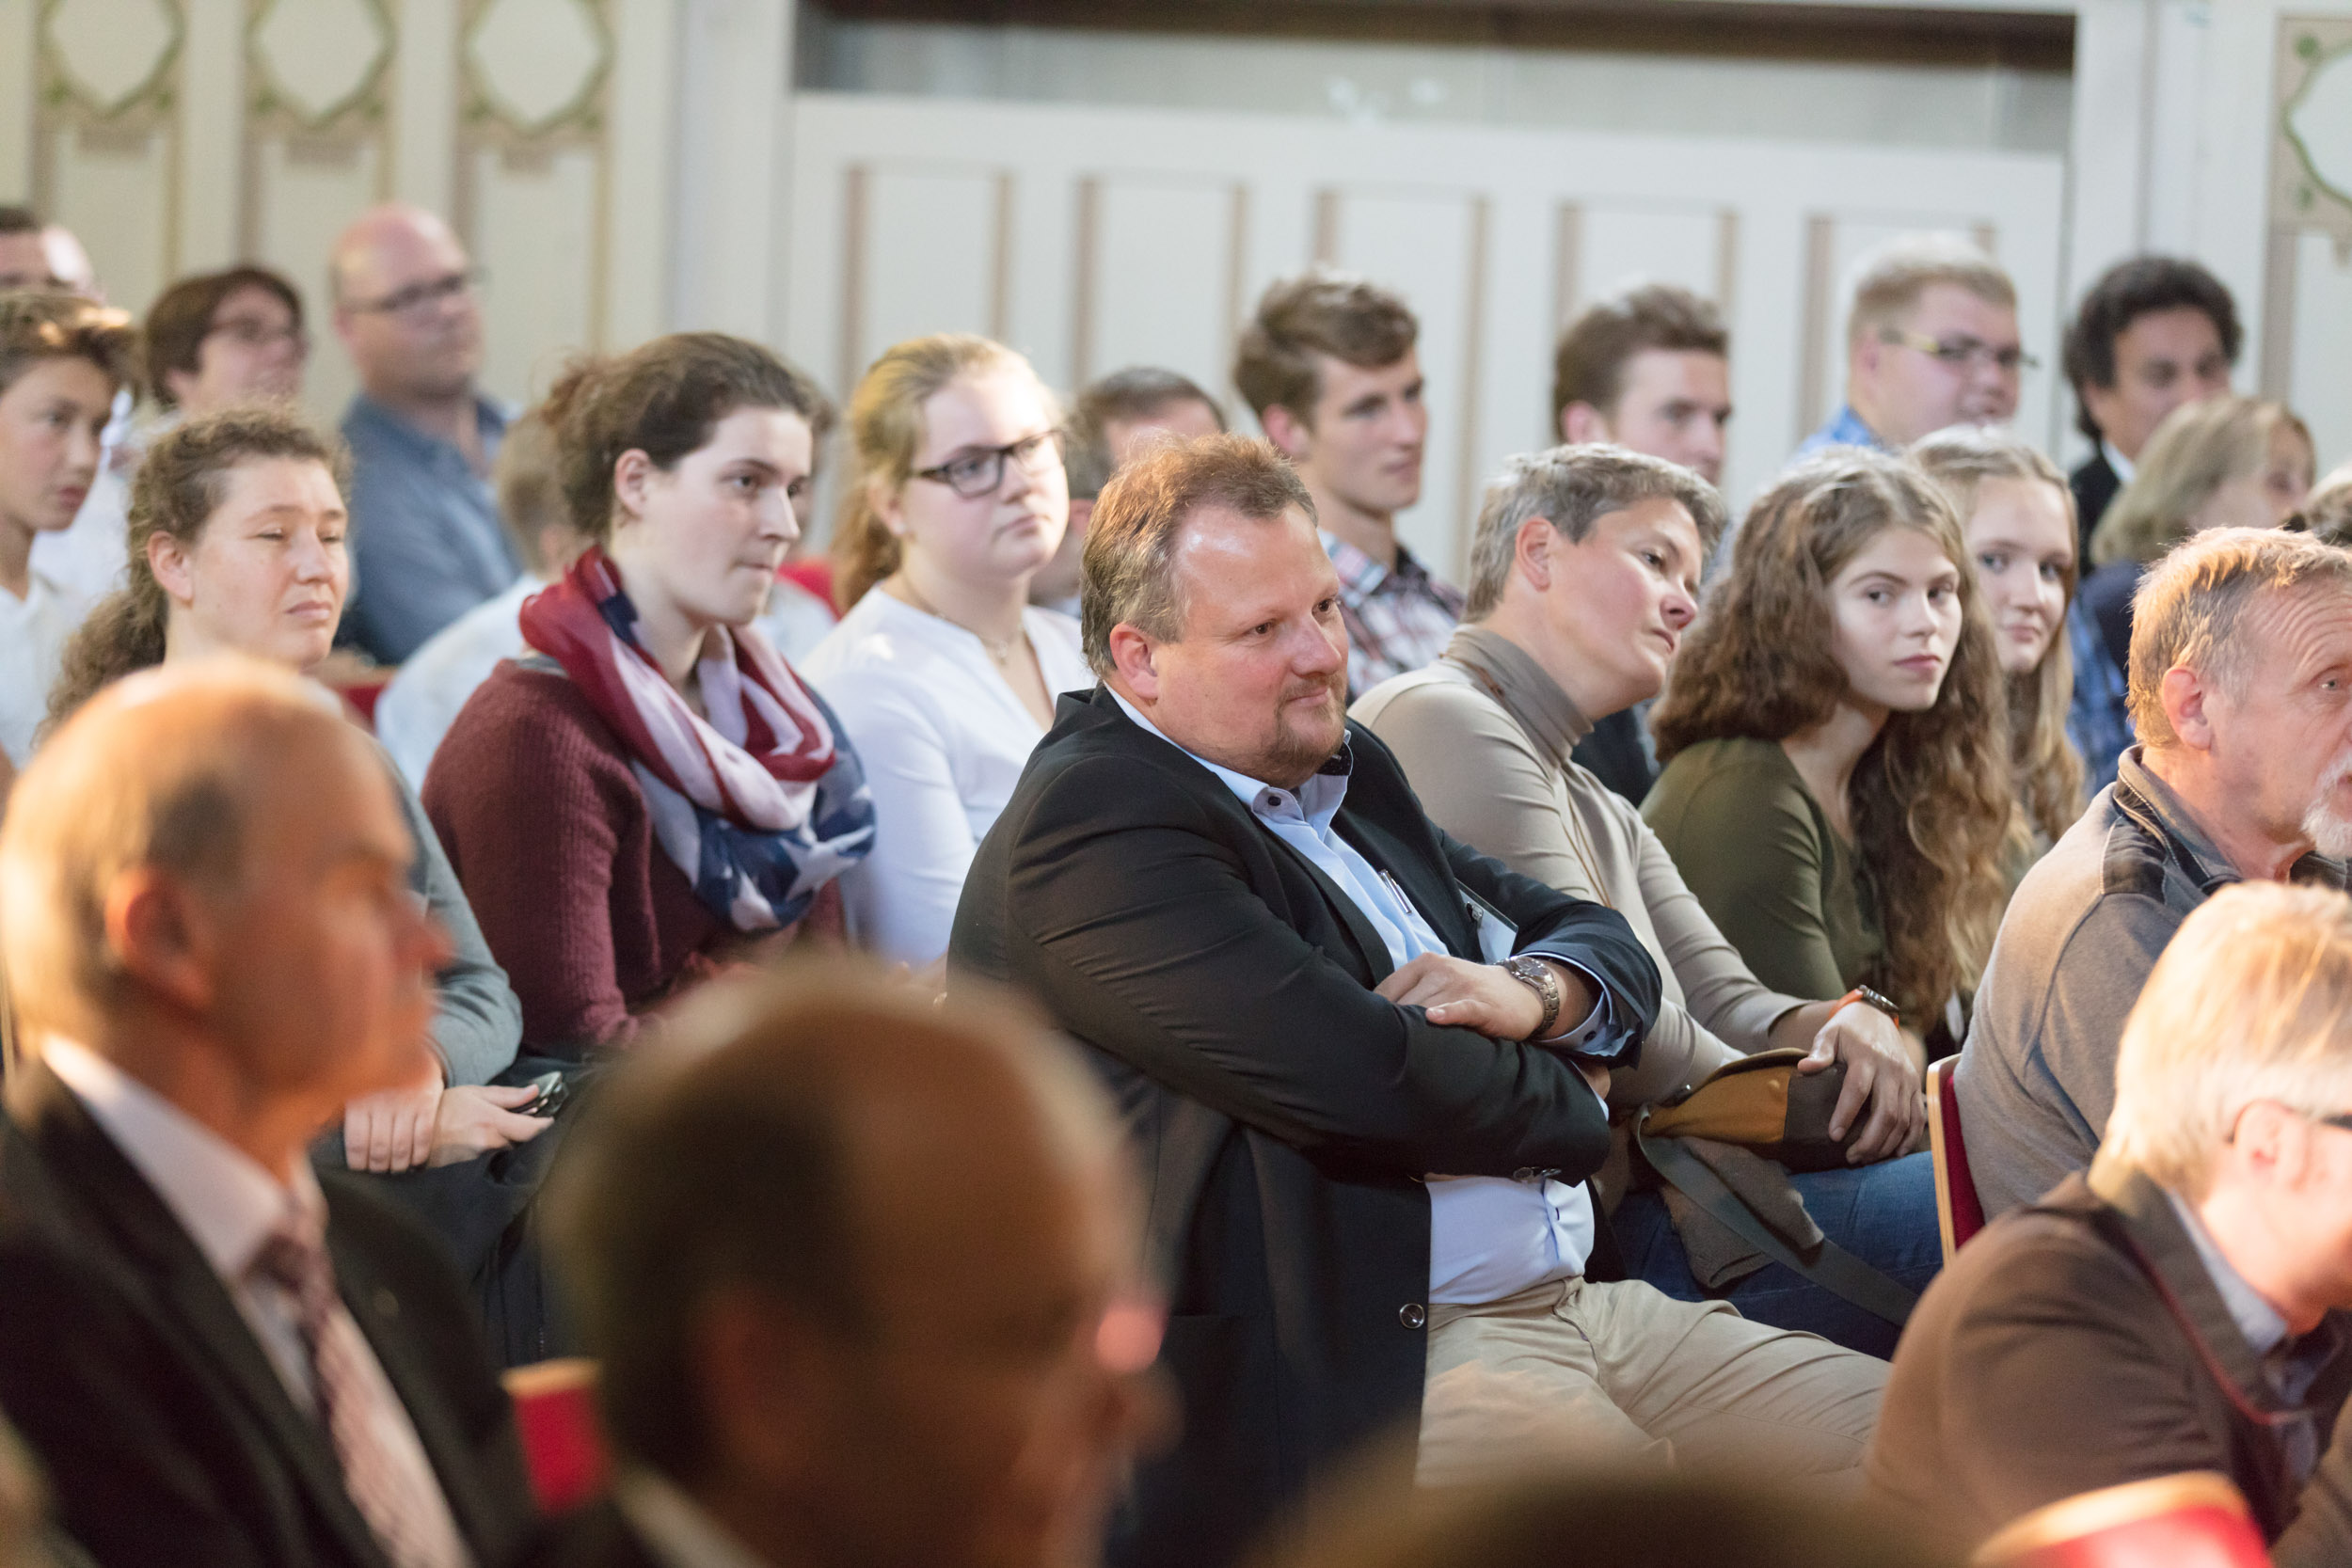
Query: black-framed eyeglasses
[1963,353]
[975,473]
[418,298]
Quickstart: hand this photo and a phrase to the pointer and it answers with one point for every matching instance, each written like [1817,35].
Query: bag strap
[1835,1268]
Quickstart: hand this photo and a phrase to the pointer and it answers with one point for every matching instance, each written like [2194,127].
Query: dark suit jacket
[165,1431]
[2095,486]
[1614,754]
[1284,1114]
[2043,1362]
[595,1537]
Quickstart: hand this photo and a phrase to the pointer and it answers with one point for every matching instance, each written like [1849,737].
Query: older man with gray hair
[2184,1306]
[2241,693]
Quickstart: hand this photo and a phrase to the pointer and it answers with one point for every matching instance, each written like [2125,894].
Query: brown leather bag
[1764,1104]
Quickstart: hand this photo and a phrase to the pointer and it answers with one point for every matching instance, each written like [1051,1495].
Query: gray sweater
[2036,1079]
[480,1024]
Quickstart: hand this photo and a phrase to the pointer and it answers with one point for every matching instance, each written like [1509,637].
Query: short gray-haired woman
[1584,579]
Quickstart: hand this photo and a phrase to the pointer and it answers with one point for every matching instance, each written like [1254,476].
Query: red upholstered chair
[1958,1212]
[2194,1520]
[555,1411]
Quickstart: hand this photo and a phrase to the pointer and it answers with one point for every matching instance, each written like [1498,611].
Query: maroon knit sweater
[532,796]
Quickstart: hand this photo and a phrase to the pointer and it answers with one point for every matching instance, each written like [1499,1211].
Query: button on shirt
[1489,1236]
[230,1207]
[425,542]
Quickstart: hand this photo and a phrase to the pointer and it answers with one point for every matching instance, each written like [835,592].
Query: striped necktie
[390,1481]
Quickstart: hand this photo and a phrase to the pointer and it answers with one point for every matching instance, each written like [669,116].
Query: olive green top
[1756,848]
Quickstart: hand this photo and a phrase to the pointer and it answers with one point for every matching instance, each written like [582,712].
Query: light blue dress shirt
[1489,1236]
[1845,429]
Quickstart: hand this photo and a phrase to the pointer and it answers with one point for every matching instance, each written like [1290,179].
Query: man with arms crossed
[2241,693]
[219,1358]
[1366,1140]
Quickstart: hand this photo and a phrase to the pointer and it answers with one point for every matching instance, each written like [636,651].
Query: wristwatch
[1870,998]
[1537,976]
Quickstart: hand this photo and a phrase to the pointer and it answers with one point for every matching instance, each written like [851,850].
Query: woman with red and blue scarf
[650,794]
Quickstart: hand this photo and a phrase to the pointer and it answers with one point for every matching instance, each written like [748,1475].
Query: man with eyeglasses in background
[1932,342]
[426,541]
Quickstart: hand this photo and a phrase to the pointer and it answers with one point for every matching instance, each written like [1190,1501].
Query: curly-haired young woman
[1836,789]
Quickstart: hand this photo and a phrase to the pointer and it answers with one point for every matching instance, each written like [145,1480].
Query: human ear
[2186,695]
[1534,550]
[762,1375]
[1287,431]
[1132,656]
[632,480]
[1581,422]
[167,558]
[883,499]
[161,932]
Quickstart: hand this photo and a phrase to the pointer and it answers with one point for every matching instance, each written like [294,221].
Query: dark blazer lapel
[192,1303]
[1430,887]
[2148,1216]
[1370,945]
[374,1305]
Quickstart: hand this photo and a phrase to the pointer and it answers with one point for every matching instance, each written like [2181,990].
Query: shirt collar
[1317,802]
[226,1202]
[2215,868]
[2260,1321]
[370,418]
[675,1528]
[1535,702]
[1850,429]
[2123,466]
[1361,574]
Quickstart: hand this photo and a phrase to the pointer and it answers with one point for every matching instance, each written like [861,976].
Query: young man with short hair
[1114,417]
[2152,333]
[1930,341]
[1328,366]
[1650,370]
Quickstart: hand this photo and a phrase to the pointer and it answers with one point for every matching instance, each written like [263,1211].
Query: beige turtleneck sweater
[1483,735]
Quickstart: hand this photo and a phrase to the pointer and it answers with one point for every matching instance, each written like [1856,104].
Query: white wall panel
[1429,246]
[535,230]
[115,191]
[1160,268]
[931,245]
[1464,220]
[304,194]
[2318,388]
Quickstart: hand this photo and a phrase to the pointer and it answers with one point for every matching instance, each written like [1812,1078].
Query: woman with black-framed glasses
[944,674]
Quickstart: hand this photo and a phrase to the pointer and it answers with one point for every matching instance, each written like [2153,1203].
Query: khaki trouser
[1575,1372]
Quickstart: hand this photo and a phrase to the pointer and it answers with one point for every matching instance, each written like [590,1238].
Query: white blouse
[944,740]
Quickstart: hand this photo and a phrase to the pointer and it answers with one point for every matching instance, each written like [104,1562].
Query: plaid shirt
[1397,620]
[2100,721]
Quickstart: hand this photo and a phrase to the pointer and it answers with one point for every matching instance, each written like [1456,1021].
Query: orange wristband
[1870,998]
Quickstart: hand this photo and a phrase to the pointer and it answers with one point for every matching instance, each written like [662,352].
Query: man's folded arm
[1152,945]
[1590,936]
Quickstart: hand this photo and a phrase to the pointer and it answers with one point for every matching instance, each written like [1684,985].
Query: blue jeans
[1884,1214]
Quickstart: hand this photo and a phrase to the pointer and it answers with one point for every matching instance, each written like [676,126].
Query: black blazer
[595,1537]
[1284,1114]
[2095,486]
[165,1430]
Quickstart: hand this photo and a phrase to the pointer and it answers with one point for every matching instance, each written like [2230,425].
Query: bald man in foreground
[426,544]
[219,1358]
[864,1278]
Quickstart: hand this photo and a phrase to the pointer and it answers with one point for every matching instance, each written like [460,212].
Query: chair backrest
[2197,1519]
[1958,1213]
[555,1412]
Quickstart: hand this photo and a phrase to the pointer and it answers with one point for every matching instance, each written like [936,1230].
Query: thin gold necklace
[999,651]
